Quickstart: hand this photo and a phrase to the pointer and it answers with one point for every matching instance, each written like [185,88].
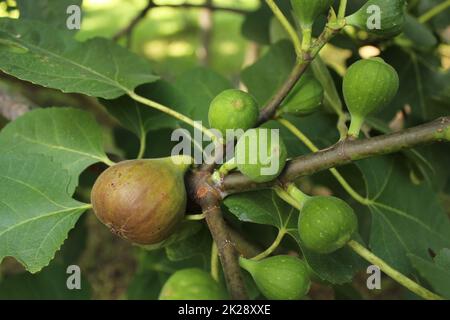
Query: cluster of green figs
[144,201]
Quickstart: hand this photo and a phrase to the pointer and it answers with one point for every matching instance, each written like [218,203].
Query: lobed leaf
[41,54]
[36,209]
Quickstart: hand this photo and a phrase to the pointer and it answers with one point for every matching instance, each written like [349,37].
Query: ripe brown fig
[142,200]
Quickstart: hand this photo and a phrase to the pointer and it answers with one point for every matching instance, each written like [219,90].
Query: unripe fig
[307,11]
[305,98]
[261,154]
[279,277]
[192,284]
[390,14]
[233,109]
[368,86]
[326,224]
[142,200]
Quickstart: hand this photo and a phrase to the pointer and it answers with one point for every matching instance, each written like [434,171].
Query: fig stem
[391,272]
[195,217]
[355,126]
[342,9]
[174,114]
[311,146]
[287,197]
[306,39]
[297,194]
[430,14]
[273,246]
[287,26]
[142,144]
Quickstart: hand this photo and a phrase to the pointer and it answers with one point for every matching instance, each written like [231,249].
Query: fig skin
[233,109]
[326,224]
[306,97]
[248,145]
[279,277]
[192,284]
[141,200]
[392,17]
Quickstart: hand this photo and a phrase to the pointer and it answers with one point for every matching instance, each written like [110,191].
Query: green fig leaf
[52,58]
[404,223]
[70,137]
[36,209]
[437,273]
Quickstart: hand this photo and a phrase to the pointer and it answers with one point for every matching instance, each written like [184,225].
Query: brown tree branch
[200,6]
[129,28]
[209,200]
[141,15]
[346,152]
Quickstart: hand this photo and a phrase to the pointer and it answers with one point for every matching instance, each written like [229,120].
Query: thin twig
[129,28]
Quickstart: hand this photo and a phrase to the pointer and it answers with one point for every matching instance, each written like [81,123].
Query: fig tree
[279,277]
[384,18]
[305,98]
[368,86]
[192,284]
[326,224]
[261,154]
[142,200]
[233,109]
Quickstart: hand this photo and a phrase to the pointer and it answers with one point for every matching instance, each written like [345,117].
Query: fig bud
[142,200]
[326,224]
[279,277]
[261,154]
[192,284]
[305,98]
[384,18]
[368,86]
[233,109]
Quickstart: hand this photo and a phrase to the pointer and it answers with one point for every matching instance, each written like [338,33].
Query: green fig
[142,201]
[261,154]
[305,98]
[192,284]
[307,11]
[368,86]
[384,18]
[279,277]
[233,109]
[326,224]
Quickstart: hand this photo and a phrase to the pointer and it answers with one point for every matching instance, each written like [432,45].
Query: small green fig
[307,11]
[326,224]
[233,109]
[142,201]
[261,154]
[305,98]
[368,86]
[192,284]
[384,18]
[279,277]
